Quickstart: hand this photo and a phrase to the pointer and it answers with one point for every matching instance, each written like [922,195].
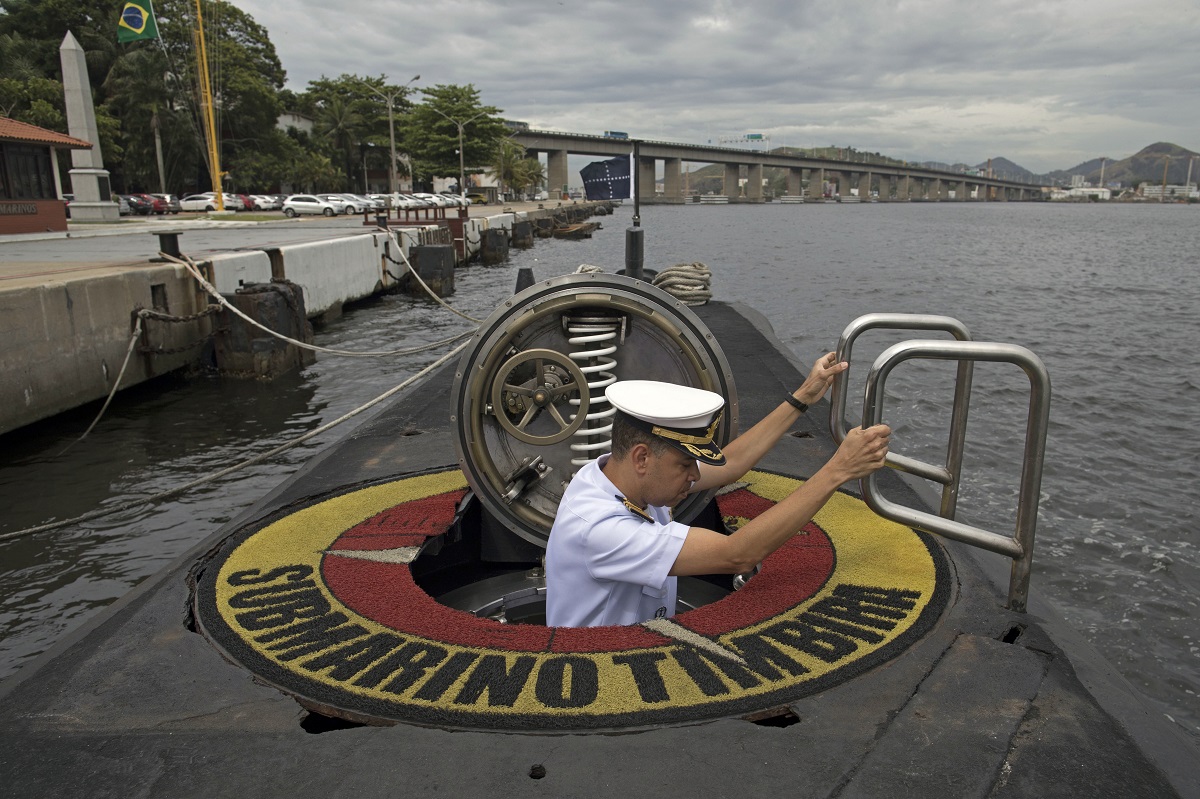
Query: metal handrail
[1020,546]
[947,475]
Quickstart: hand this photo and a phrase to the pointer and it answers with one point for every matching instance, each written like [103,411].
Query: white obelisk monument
[89,179]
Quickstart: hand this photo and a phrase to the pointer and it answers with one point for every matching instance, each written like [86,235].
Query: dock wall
[65,339]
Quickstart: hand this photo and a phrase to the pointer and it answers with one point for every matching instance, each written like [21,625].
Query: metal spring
[598,367]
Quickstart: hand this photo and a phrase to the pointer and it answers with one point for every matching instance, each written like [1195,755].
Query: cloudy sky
[1045,83]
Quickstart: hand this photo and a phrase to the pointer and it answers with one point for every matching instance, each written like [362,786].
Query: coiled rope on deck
[691,283]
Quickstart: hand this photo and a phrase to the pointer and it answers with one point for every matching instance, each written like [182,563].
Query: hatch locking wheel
[530,387]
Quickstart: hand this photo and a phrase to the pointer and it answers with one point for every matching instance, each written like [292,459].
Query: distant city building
[1077,181]
[1172,191]
[1084,192]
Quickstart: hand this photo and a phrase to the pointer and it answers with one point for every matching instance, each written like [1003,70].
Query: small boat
[579,230]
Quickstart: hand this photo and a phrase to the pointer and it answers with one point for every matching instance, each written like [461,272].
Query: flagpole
[207,99]
[635,236]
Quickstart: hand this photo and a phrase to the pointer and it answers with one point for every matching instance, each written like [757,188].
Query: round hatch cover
[528,396]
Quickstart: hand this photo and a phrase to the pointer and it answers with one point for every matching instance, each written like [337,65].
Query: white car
[265,202]
[372,203]
[208,202]
[433,199]
[307,204]
[198,202]
[354,204]
[339,202]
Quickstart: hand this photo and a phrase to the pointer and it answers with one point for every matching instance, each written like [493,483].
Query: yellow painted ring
[320,602]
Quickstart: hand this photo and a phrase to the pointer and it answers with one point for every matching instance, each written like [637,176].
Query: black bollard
[168,242]
[635,239]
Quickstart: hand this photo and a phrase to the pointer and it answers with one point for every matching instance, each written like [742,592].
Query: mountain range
[1146,165]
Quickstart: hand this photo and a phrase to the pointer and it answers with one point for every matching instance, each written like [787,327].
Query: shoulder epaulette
[635,509]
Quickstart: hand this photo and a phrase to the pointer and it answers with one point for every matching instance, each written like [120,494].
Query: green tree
[533,174]
[431,131]
[506,164]
[246,76]
[351,108]
[339,125]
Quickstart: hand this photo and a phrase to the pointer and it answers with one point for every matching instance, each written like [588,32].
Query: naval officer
[614,552]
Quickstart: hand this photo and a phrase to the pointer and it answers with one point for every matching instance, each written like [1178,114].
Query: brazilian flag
[137,22]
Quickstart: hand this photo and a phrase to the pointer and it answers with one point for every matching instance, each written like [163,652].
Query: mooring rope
[413,273]
[688,282]
[137,333]
[190,265]
[236,467]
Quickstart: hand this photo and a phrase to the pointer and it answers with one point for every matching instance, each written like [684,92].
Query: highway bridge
[806,176]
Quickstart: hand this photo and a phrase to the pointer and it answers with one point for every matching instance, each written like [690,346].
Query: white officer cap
[685,417]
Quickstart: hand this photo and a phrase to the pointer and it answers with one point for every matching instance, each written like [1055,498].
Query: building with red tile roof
[31,196]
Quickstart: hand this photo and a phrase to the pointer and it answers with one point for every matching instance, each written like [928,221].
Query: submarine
[375,625]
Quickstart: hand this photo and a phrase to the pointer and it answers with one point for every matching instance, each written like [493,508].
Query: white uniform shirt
[604,563]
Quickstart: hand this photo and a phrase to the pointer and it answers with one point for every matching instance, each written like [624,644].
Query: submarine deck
[986,703]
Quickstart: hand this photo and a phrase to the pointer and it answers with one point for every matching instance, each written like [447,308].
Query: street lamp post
[390,98]
[462,173]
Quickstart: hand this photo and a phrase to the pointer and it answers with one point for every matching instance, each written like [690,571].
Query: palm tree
[339,124]
[506,164]
[530,174]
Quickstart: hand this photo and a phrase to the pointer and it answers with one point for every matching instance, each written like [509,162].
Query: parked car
[433,199]
[158,205]
[411,201]
[478,199]
[457,199]
[172,201]
[123,207]
[372,203]
[266,202]
[307,204]
[340,203]
[198,202]
[139,204]
[355,204]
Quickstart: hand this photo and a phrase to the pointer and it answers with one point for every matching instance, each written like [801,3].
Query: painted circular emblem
[321,602]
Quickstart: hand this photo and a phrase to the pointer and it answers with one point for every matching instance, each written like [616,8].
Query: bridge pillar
[864,186]
[672,180]
[885,188]
[1002,194]
[816,184]
[935,190]
[556,172]
[645,168]
[843,181]
[754,179]
[794,176]
[903,188]
[733,174]
[962,192]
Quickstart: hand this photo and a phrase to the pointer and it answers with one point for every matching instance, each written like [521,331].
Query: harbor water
[1104,295]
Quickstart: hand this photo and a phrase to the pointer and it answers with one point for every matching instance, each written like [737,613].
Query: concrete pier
[69,303]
